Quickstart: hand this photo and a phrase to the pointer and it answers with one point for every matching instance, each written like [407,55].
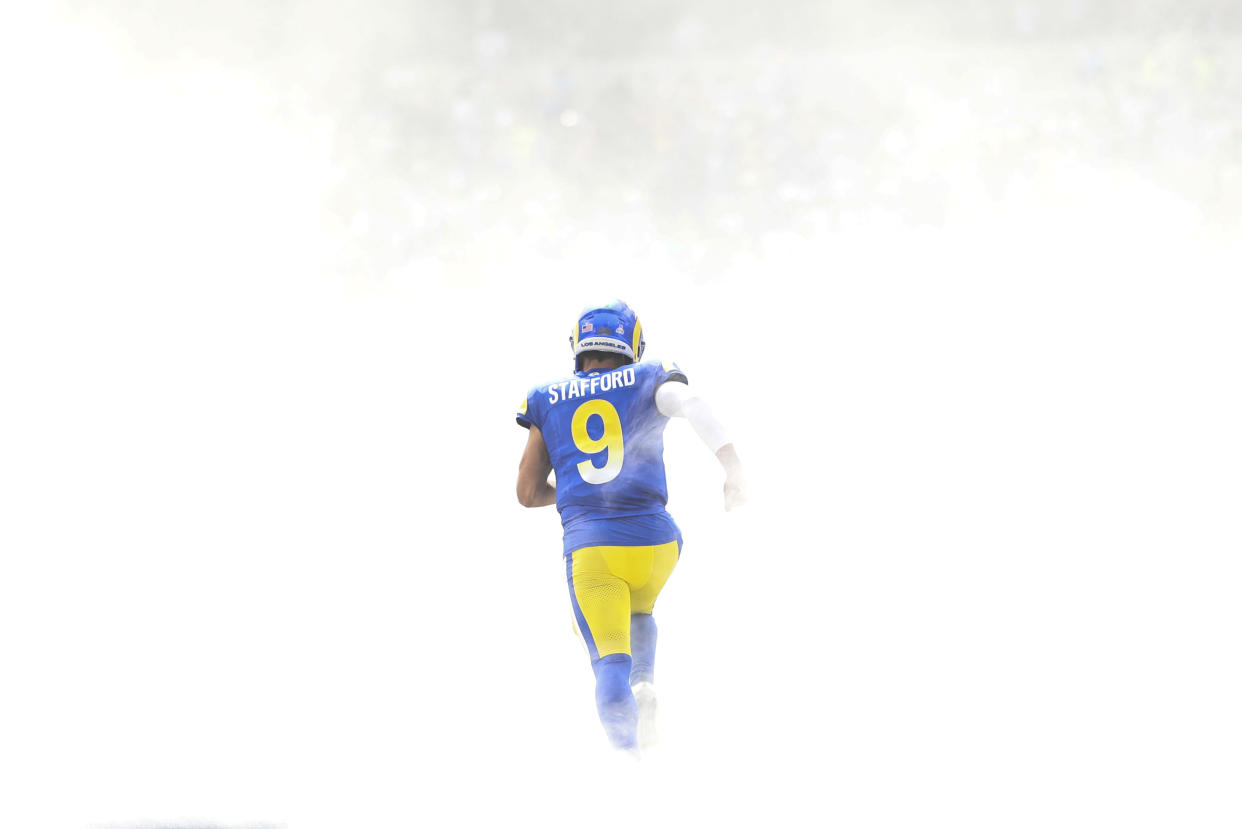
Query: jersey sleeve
[528,413]
[670,371]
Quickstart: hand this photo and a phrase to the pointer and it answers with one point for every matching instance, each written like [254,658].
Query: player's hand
[734,491]
[735,480]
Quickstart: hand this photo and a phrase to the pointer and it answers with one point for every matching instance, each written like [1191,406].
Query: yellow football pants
[608,584]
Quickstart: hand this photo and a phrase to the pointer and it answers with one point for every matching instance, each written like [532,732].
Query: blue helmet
[613,329]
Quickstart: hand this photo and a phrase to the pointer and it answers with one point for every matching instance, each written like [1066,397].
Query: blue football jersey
[605,439]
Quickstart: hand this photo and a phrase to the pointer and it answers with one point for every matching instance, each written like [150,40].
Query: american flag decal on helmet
[587,328]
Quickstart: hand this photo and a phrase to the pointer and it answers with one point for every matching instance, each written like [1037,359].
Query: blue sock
[643,646]
[617,710]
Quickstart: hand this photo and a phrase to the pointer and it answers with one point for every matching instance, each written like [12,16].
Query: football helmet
[612,328]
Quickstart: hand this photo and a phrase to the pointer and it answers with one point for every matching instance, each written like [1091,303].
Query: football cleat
[645,696]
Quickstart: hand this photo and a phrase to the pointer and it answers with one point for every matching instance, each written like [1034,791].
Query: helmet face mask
[610,329]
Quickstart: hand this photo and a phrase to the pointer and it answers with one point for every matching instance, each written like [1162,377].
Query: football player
[601,430]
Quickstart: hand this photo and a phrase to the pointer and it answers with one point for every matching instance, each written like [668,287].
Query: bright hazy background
[961,276]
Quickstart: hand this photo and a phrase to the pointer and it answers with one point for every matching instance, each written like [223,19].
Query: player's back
[605,439]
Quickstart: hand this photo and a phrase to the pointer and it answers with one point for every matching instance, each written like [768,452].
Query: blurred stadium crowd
[703,130]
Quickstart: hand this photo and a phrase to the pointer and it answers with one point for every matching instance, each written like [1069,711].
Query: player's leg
[601,602]
[643,634]
[642,647]
[643,595]
[642,677]
[618,709]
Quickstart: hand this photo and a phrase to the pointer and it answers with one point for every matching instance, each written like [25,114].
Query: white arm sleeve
[675,399]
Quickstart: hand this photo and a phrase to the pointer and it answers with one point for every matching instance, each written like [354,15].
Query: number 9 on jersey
[610,441]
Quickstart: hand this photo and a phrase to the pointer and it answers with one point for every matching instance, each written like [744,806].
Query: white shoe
[645,696]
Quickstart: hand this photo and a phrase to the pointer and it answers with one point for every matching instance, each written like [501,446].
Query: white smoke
[961,285]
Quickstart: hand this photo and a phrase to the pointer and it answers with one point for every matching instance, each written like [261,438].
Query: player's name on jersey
[582,386]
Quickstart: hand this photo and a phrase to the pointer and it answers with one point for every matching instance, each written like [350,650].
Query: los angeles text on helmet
[570,389]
